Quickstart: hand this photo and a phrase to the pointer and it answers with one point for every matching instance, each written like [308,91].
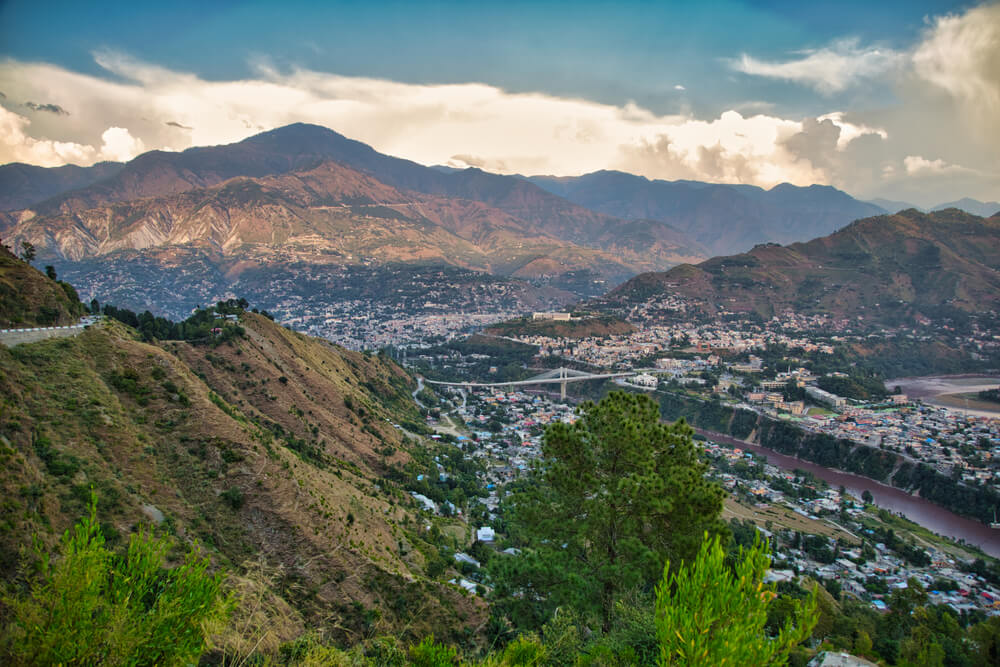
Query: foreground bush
[89,606]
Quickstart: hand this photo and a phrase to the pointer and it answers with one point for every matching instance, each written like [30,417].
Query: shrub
[90,606]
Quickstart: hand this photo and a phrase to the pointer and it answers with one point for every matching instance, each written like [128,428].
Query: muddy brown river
[916,509]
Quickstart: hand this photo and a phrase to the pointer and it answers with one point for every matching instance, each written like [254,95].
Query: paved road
[12,337]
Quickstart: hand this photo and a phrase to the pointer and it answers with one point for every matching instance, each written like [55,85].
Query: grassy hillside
[888,268]
[270,450]
[28,298]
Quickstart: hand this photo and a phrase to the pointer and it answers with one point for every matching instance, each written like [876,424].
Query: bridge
[560,376]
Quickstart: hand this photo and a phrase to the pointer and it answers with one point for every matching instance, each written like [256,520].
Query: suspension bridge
[560,376]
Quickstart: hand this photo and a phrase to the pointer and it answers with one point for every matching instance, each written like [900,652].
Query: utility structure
[561,376]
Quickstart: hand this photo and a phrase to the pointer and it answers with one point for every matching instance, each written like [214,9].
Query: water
[918,510]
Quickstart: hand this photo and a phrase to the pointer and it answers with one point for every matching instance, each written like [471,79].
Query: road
[12,337]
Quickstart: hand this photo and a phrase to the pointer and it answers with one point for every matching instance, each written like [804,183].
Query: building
[644,380]
[821,396]
[559,317]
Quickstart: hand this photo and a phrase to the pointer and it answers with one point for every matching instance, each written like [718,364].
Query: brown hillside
[28,298]
[270,452]
[882,267]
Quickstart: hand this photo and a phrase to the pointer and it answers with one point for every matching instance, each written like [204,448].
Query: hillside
[885,268]
[22,185]
[274,451]
[331,212]
[722,218]
[512,204]
[28,298]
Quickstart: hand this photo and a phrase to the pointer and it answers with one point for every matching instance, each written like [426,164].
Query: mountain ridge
[274,451]
[721,217]
[885,268]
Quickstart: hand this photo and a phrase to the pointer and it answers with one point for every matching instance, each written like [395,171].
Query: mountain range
[722,218]
[306,194]
[886,268]
[983,209]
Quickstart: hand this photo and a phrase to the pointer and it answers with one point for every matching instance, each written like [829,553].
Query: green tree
[27,251]
[93,607]
[707,614]
[620,493]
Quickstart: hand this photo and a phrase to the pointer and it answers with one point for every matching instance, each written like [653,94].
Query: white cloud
[17,146]
[850,131]
[679,87]
[828,70]
[940,116]
[961,55]
[119,145]
[431,124]
[917,164]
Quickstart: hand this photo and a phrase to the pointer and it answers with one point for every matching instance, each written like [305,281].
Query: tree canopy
[616,495]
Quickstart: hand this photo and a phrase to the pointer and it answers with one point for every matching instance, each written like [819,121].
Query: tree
[50,271]
[866,497]
[91,606]
[618,494]
[707,614]
[27,251]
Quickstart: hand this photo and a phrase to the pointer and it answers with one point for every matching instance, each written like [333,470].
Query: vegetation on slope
[28,298]
[270,450]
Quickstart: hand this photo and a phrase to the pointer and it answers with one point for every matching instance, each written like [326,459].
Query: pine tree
[618,493]
[707,614]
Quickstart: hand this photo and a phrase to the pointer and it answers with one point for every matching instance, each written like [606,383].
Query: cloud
[916,164]
[50,108]
[137,106]
[679,87]
[850,131]
[120,146]
[961,56]
[469,124]
[828,70]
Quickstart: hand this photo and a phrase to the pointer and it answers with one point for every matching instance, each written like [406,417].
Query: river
[916,509]
[951,392]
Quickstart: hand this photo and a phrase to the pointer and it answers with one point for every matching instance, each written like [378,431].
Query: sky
[889,99]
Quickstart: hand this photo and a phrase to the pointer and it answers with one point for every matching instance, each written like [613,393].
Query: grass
[783,518]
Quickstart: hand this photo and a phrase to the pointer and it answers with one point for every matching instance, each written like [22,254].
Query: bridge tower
[562,385]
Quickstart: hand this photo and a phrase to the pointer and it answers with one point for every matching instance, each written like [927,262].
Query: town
[851,546]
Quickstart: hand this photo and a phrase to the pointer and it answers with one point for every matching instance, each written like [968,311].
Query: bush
[428,653]
[233,497]
[90,606]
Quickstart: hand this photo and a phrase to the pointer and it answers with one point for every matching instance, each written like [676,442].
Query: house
[485,534]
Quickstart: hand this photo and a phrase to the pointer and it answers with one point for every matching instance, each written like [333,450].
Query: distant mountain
[893,206]
[973,206]
[300,147]
[23,185]
[722,218]
[331,213]
[884,268]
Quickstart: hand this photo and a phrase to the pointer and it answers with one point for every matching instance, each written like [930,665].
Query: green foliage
[618,494]
[93,607]
[992,395]
[205,325]
[429,653]
[709,615]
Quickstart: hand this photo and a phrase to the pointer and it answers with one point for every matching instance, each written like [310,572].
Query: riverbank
[918,510]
